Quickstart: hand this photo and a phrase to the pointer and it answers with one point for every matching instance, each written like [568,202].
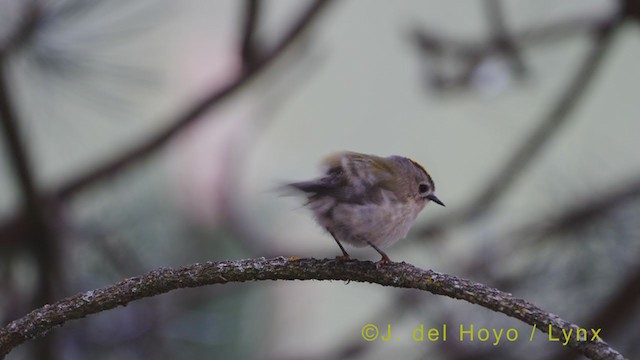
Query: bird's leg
[385,259]
[344,256]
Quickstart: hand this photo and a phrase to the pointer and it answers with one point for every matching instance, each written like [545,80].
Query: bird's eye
[423,188]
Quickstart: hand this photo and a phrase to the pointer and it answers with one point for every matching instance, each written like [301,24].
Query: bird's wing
[349,177]
[360,171]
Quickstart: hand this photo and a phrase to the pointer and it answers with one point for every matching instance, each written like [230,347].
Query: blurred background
[155,133]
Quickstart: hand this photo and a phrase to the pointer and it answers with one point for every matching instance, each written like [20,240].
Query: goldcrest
[368,200]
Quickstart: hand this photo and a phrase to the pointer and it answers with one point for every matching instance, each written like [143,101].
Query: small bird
[368,200]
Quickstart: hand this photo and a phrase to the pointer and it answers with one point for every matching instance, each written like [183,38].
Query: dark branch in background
[41,239]
[250,49]
[429,41]
[40,235]
[581,214]
[402,275]
[502,37]
[531,147]
[438,50]
[180,122]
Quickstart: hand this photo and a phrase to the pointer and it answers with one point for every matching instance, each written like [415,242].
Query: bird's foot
[382,262]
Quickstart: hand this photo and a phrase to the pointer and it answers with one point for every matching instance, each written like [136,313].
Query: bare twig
[402,275]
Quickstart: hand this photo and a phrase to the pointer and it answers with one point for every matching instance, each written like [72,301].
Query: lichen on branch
[401,275]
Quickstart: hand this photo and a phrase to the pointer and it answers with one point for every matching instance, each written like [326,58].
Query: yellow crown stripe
[418,165]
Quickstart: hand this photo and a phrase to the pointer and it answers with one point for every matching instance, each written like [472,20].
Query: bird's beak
[435,199]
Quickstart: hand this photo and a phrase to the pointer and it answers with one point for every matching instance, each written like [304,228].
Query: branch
[401,275]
